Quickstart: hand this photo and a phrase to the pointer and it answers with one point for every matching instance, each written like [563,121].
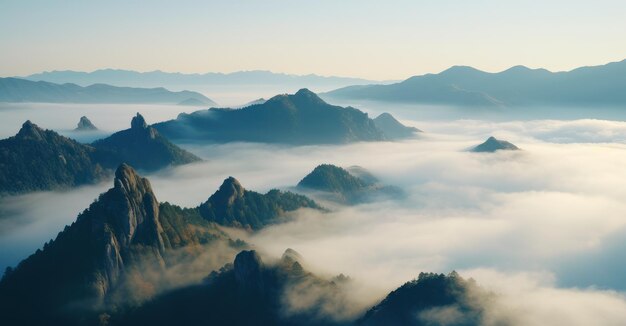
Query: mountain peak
[305,95]
[305,92]
[232,186]
[291,256]
[138,122]
[30,130]
[134,208]
[493,144]
[328,177]
[247,267]
[228,192]
[129,182]
[455,70]
[85,124]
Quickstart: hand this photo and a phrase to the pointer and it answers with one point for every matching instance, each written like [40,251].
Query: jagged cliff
[124,230]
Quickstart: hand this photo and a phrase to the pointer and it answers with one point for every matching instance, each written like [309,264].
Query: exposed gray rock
[85,125]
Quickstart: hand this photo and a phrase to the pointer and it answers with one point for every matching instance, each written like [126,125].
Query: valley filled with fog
[541,227]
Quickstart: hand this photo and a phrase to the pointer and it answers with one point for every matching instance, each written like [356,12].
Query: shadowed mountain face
[37,159]
[301,118]
[517,86]
[142,146]
[432,299]
[93,262]
[232,205]
[340,185]
[85,125]
[492,144]
[22,90]
[248,292]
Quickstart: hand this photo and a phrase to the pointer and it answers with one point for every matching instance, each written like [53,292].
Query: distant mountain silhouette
[431,299]
[392,128]
[37,159]
[338,184]
[176,80]
[517,86]
[143,147]
[91,262]
[85,124]
[492,144]
[301,118]
[232,205]
[194,102]
[255,102]
[22,90]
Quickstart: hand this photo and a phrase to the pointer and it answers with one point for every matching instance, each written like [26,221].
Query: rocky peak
[291,256]
[129,182]
[247,268]
[85,124]
[136,208]
[292,262]
[229,191]
[30,130]
[138,122]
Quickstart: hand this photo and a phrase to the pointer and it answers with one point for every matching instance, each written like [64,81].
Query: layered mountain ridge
[298,119]
[37,159]
[22,90]
[518,86]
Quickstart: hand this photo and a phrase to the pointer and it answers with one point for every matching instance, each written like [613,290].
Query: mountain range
[129,259]
[299,119]
[37,159]
[176,80]
[22,90]
[603,85]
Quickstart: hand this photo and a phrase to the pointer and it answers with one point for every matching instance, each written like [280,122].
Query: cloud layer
[542,228]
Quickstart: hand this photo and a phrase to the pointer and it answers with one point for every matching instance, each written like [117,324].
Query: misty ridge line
[517,86]
[241,75]
[298,119]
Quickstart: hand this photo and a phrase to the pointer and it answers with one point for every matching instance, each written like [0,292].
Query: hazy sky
[371,39]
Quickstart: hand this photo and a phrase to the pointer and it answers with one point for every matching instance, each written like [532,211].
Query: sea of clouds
[543,228]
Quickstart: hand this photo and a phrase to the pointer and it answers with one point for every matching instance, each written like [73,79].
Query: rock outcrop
[84,124]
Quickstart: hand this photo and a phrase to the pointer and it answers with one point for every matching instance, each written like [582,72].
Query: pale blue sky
[371,39]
